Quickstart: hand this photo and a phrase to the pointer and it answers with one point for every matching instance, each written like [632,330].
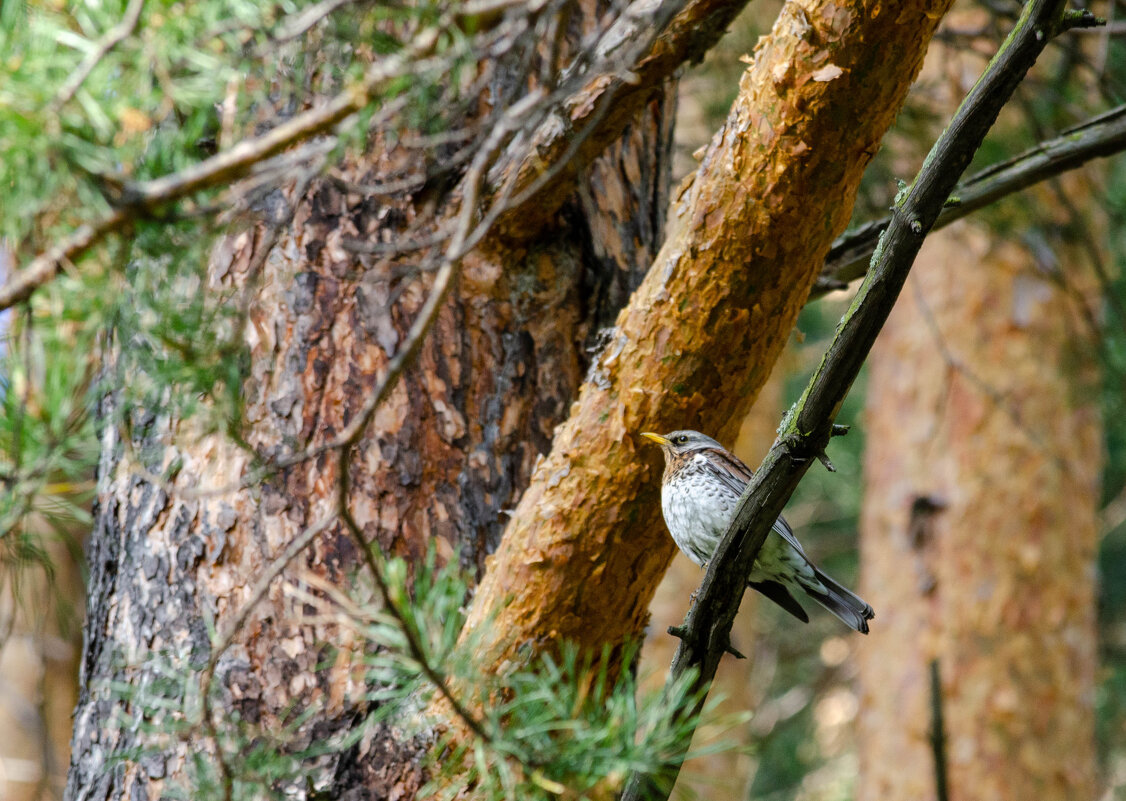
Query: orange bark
[585,549]
[602,109]
[979,531]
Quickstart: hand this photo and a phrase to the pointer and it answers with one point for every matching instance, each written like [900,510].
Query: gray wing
[732,472]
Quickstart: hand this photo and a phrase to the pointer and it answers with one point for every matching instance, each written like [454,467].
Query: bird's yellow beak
[655,437]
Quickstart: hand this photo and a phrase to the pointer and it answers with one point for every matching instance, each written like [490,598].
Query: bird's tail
[845,604]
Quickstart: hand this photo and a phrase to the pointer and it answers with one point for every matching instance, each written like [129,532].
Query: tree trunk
[979,530]
[443,458]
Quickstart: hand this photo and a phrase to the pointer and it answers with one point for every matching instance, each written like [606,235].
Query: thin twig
[673,24]
[1100,136]
[46,266]
[462,241]
[407,183]
[383,188]
[113,37]
[237,161]
[1113,514]
[232,630]
[938,734]
[275,569]
[297,24]
[464,238]
[353,245]
[413,643]
[221,168]
[459,245]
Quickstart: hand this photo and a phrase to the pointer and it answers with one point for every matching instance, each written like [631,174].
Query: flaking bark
[441,462]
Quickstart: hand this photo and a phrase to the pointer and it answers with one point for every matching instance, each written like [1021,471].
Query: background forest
[158,422]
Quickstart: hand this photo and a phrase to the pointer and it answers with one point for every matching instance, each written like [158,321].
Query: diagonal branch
[809,425]
[222,168]
[643,48]
[114,36]
[1104,135]
[583,552]
[657,37]
[226,638]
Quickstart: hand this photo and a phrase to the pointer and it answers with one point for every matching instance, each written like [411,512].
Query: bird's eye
[681,440]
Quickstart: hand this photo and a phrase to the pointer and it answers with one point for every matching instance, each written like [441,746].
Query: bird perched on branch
[700,489]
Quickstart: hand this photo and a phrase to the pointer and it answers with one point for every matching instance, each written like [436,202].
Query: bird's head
[680,443]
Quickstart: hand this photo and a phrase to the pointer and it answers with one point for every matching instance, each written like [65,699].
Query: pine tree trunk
[979,530]
[442,460]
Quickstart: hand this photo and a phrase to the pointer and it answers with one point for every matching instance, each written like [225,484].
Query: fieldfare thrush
[700,489]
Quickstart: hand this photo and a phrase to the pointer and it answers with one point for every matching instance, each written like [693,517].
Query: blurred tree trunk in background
[41,637]
[979,526]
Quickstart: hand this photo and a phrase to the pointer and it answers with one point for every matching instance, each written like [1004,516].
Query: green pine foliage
[565,725]
[96,98]
[190,80]
[47,445]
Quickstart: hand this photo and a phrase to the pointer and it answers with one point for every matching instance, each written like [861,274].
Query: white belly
[697,516]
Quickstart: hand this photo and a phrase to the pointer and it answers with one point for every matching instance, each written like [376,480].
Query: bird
[700,489]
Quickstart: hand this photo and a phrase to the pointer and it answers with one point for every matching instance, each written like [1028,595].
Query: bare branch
[1104,135]
[113,37]
[641,49]
[460,244]
[464,239]
[747,194]
[237,161]
[230,165]
[46,266]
